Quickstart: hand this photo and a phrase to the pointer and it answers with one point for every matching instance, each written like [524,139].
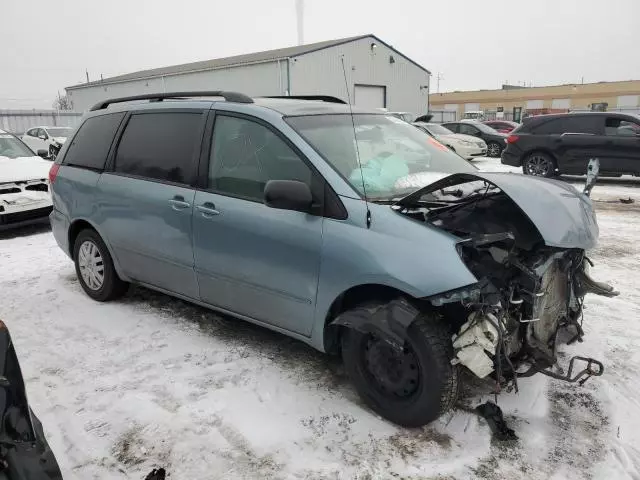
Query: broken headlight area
[530,292]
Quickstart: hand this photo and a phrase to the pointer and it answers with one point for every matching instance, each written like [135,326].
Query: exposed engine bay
[531,286]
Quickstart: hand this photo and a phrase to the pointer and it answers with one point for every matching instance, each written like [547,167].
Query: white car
[50,139]
[466,146]
[24,185]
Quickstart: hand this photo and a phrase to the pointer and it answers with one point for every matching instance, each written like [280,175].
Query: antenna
[355,140]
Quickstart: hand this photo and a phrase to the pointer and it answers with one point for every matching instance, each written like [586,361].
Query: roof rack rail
[158,97]
[322,98]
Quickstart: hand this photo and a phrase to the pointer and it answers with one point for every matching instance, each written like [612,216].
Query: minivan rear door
[573,140]
[146,197]
[260,262]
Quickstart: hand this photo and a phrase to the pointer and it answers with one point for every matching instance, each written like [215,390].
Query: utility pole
[87,72]
[439,77]
[300,19]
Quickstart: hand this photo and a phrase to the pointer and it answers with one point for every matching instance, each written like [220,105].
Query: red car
[503,126]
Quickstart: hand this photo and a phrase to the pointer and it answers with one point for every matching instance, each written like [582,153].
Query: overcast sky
[46,46]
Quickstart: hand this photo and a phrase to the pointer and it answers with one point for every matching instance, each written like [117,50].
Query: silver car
[466,146]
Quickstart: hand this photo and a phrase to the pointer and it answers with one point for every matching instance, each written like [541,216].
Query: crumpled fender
[388,320]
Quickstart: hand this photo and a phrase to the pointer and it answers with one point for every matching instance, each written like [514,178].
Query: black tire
[112,286]
[494,149]
[539,164]
[429,341]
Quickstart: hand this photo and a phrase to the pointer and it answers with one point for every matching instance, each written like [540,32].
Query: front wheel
[411,386]
[539,164]
[494,149]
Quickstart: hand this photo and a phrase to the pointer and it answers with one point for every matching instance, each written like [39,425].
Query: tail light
[53,172]
[512,138]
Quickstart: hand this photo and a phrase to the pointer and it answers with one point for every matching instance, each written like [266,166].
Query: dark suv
[547,145]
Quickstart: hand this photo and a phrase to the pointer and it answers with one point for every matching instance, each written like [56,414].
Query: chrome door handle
[178,203]
[207,209]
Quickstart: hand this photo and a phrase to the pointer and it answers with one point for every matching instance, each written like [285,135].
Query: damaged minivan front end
[525,240]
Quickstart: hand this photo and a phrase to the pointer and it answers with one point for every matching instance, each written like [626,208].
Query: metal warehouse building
[377,76]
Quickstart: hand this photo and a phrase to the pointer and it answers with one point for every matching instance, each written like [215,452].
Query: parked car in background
[466,146]
[502,126]
[548,145]
[24,190]
[50,139]
[495,140]
[477,115]
[341,228]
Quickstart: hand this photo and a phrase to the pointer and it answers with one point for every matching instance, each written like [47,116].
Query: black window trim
[322,185]
[110,163]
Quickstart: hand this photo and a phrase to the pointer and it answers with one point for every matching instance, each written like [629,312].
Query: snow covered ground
[152,381]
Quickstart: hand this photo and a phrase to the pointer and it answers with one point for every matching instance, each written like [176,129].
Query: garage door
[370,96]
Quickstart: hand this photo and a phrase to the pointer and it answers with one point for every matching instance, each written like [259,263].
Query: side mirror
[43,153]
[288,195]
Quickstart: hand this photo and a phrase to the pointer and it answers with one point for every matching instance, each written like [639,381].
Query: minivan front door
[147,199]
[622,146]
[251,259]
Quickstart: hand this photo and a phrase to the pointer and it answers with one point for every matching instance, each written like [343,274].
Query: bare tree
[63,102]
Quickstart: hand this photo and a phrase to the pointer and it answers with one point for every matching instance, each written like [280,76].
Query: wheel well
[349,299]
[544,151]
[74,230]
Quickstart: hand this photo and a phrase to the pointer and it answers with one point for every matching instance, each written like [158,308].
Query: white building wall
[320,73]
[257,79]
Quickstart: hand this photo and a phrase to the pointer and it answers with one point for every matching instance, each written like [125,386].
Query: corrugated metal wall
[321,73]
[256,79]
[316,73]
[18,121]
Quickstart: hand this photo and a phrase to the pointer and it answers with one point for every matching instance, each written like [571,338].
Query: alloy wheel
[91,265]
[493,150]
[538,166]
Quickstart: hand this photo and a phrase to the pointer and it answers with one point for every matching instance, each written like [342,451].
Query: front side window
[11,147]
[468,129]
[392,157]
[618,127]
[160,146]
[245,155]
[91,144]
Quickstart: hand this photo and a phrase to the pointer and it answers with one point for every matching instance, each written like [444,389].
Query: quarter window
[246,155]
[160,146]
[91,144]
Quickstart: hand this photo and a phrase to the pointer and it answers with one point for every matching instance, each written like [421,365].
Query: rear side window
[91,144]
[570,124]
[160,146]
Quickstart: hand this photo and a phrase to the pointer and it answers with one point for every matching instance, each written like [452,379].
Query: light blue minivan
[350,230]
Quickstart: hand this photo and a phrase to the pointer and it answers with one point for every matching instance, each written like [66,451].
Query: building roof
[267,55]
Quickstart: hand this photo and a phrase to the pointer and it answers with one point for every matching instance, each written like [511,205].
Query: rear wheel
[494,149]
[95,269]
[539,164]
[411,386]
